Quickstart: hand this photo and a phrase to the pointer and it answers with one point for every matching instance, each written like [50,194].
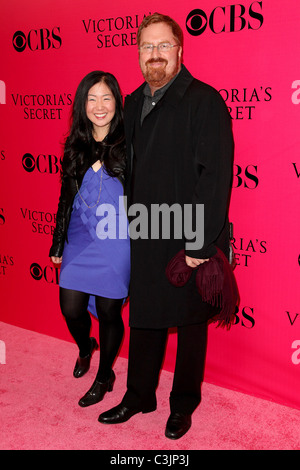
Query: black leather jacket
[67,194]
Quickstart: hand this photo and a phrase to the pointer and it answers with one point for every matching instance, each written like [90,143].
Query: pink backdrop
[248,51]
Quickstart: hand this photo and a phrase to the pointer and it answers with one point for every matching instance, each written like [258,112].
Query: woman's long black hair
[81,150]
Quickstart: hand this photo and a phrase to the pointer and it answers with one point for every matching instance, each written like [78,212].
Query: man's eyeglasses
[162,47]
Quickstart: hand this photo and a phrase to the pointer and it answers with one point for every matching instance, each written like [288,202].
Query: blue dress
[96,258]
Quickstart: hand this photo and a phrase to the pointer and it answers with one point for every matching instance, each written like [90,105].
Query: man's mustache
[158,60]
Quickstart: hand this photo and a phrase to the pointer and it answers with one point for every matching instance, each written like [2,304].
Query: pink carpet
[39,411]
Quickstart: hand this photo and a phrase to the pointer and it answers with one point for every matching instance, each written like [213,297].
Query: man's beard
[158,77]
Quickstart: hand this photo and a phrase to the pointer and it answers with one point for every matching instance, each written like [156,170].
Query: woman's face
[100,109]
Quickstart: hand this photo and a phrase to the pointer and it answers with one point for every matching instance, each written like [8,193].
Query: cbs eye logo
[36,271]
[37,39]
[196,22]
[28,162]
[2,218]
[19,41]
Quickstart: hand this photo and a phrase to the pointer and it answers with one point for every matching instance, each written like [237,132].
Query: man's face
[158,67]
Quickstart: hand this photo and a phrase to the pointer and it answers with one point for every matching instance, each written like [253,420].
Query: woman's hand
[56,259]
[194,262]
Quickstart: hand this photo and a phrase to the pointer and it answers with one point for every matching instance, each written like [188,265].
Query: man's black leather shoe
[97,391]
[120,414]
[177,425]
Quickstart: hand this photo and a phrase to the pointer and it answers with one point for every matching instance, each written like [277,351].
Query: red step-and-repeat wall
[247,50]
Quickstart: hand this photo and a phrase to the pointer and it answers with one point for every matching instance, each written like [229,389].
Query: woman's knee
[73,304]
[109,310]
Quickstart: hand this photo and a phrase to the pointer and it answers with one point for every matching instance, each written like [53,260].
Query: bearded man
[179,151]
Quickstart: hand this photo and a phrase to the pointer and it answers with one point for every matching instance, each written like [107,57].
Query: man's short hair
[159,18]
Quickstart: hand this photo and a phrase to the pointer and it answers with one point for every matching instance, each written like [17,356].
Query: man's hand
[194,262]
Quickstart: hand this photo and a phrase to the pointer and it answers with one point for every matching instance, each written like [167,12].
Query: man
[179,143]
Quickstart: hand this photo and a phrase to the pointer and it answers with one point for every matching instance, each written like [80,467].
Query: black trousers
[146,354]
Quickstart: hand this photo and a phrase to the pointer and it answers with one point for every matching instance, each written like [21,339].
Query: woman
[95,266]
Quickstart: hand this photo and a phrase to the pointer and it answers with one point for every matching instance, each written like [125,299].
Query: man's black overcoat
[183,154]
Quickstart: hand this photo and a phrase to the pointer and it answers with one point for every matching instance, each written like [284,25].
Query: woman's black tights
[74,306]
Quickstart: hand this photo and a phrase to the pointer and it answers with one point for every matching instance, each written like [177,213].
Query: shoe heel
[111,382]
[149,410]
[95,345]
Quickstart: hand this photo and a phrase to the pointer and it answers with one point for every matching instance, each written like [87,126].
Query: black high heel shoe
[97,391]
[83,363]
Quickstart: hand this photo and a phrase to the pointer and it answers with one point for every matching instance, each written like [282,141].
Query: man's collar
[182,81]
